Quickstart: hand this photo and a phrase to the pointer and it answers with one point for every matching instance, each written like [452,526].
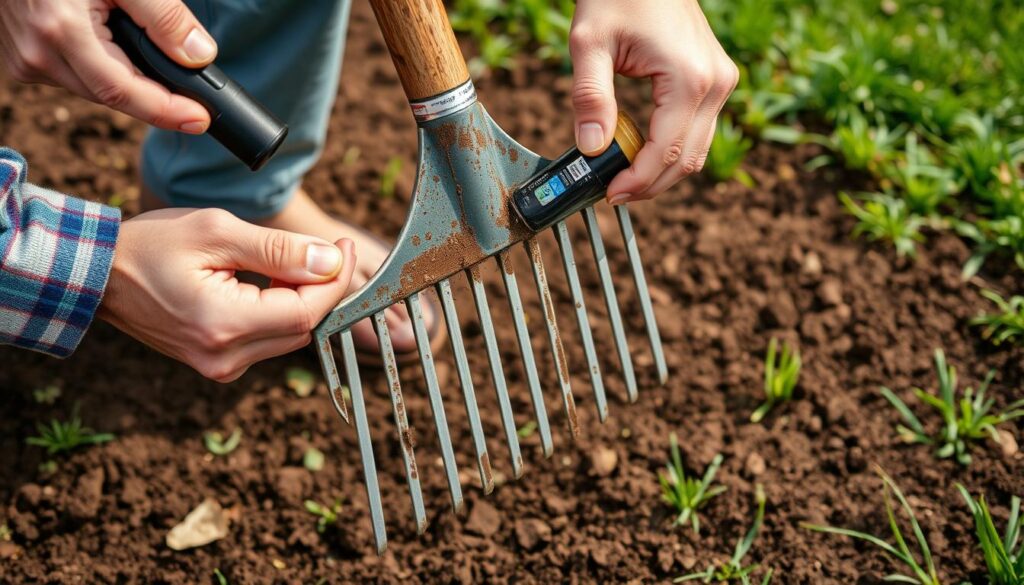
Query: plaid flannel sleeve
[56,256]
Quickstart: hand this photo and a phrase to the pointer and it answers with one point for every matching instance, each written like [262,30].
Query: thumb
[593,99]
[283,256]
[173,27]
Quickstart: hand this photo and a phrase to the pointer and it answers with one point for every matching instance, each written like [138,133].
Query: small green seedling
[1007,324]
[389,178]
[688,494]
[300,380]
[351,156]
[923,572]
[1004,557]
[221,579]
[326,516]
[47,395]
[60,437]
[48,467]
[728,149]
[885,217]
[5,532]
[216,444]
[313,459]
[527,430]
[779,378]
[924,185]
[734,570]
[963,422]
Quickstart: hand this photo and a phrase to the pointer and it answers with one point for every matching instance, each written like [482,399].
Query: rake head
[460,218]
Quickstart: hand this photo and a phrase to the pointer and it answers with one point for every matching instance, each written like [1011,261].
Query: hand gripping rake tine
[526,349]
[618,333]
[569,263]
[497,374]
[451,318]
[626,225]
[405,436]
[348,351]
[557,351]
[436,403]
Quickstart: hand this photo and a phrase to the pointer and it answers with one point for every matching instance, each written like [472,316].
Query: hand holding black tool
[237,120]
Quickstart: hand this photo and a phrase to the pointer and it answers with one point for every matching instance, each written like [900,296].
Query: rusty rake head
[460,217]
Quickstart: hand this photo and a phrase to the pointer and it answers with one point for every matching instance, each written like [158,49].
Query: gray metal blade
[330,369]
[436,403]
[348,351]
[626,225]
[557,351]
[569,263]
[405,436]
[451,318]
[483,312]
[515,304]
[608,288]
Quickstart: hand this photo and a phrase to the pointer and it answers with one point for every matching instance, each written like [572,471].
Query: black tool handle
[243,125]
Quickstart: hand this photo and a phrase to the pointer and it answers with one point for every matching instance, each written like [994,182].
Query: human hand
[173,287]
[66,43]
[670,42]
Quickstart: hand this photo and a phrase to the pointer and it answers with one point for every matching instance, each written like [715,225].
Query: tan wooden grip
[422,45]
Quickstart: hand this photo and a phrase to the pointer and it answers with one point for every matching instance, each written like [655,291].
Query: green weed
[313,459]
[885,217]
[924,184]
[1004,556]
[728,149]
[60,437]
[389,178]
[527,430]
[47,394]
[780,377]
[688,494]
[735,570]
[327,516]
[964,421]
[1007,324]
[216,443]
[921,571]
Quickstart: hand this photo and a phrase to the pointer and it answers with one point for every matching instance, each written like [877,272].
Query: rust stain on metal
[415,240]
[366,305]
[428,236]
[440,261]
[570,409]
[513,154]
[506,262]
[408,444]
[485,469]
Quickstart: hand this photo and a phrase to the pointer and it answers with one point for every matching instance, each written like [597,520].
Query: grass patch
[687,494]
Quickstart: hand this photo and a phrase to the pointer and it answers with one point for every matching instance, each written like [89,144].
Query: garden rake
[462,215]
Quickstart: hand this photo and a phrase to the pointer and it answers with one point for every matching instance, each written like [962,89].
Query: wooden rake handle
[422,45]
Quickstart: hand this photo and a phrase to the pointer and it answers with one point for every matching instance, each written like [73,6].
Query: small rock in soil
[203,525]
[556,504]
[531,531]
[855,459]
[484,519]
[812,265]
[830,292]
[599,554]
[603,461]
[754,465]
[665,559]
[1007,443]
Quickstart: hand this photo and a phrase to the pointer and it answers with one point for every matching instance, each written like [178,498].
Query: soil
[729,268]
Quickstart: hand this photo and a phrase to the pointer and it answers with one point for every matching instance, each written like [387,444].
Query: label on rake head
[561,181]
[447,103]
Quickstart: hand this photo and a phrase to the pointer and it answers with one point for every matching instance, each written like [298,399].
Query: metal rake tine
[569,263]
[608,288]
[483,312]
[626,225]
[436,403]
[330,369]
[515,304]
[557,351]
[451,318]
[348,350]
[405,437]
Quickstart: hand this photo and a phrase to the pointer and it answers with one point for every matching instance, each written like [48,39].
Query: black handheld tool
[243,125]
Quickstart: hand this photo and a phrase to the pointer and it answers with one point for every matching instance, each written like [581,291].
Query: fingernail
[620,198]
[323,259]
[591,137]
[199,46]
[193,127]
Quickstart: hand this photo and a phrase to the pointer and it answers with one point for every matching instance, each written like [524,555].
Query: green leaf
[300,380]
